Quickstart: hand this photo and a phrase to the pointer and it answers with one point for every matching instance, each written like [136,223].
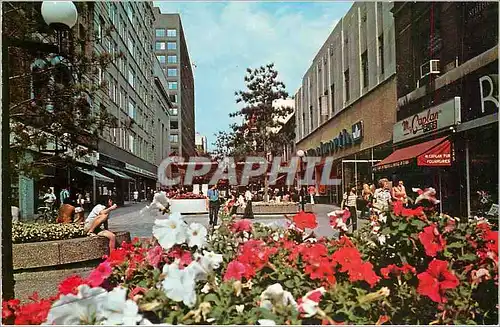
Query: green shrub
[35,232]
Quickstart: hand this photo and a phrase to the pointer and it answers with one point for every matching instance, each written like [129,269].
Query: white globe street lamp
[300,153]
[59,14]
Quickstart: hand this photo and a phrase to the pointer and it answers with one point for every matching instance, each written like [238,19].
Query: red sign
[439,155]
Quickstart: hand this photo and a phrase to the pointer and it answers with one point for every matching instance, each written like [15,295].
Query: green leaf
[211,298]
[418,223]
[289,284]
[467,257]
[402,226]
[455,245]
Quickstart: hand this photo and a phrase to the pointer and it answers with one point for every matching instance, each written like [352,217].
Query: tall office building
[172,53]
[127,153]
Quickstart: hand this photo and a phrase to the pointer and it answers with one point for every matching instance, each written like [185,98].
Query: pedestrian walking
[136,196]
[399,193]
[49,198]
[349,201]
[365,200]
[248,208]
[213,205]
[382,196]
[64,196]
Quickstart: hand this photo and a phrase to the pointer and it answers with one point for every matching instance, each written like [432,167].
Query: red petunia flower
[117,257]
[363,271]
[321,268]
[31,313]
[432,240]
[255,254]
[243,225]
[313,251]
[9,308]
[347,257]
[382,320]
[434,282]
[136,291]
[305,220]
[185,257]
[395,270]
[399,210]
[235,270]
[70,285]
[99,274]
[491,238]
[154,255]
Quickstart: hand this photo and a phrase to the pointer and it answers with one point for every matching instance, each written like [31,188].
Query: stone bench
[276,209]
[41,266]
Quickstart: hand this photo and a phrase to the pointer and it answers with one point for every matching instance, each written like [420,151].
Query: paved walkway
[128,218]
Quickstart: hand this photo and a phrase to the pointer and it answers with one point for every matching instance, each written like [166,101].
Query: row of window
[347,78]
[172,59]
[136,145]
[169,32]
[160,45]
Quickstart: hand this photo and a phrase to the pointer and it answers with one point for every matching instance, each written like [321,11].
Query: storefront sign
[344,140]
[139,170]
[488,88]
[433,119]
[437,156]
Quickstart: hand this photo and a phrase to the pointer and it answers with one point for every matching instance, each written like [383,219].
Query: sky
[224,38]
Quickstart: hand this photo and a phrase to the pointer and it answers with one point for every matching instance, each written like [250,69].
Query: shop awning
[117,173]
[97,176]
[435,153]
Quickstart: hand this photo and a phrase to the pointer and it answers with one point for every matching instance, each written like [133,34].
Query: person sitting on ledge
[97,218]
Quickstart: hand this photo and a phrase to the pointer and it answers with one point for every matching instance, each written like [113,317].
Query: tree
[223,145]
[263,129]
[54,121]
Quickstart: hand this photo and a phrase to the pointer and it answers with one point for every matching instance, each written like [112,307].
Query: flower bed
[35,232]
[188,195]
[407,267]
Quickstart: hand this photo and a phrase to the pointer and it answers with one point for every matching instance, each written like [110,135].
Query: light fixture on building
[300,153]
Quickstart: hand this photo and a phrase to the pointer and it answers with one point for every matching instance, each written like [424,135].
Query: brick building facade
[457,93]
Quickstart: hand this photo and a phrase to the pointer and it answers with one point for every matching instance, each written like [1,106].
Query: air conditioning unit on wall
[430,67]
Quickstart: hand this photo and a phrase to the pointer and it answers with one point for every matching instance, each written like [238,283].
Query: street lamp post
[61,15]
[301,154]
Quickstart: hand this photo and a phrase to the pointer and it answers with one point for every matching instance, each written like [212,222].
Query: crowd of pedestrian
[372,198]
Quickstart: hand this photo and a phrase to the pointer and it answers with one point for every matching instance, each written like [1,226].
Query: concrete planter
[275,209]
[41,266]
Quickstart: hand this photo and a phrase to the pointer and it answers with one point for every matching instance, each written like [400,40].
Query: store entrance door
[356,172]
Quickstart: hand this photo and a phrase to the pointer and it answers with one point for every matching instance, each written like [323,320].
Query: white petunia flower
[204,264]
[310,302]
[381,239]
[196,235]
[382,218]
[206,288]
[118,310]
[179,285]
[80,309]
[275,294]
[266,322]
[171,231]
[159,205]
[240,308]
